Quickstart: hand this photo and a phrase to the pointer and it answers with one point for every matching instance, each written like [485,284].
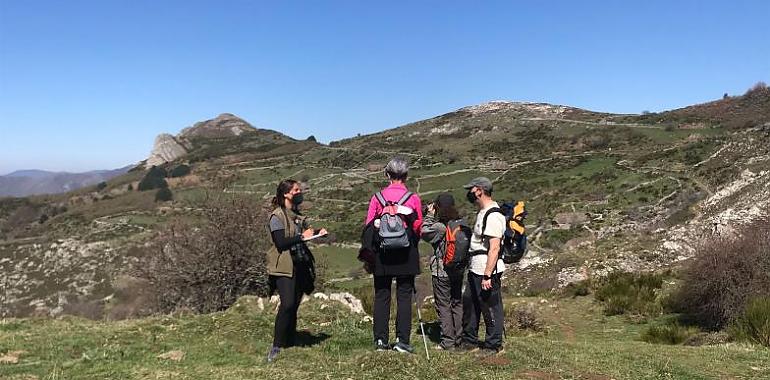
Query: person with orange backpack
[450,236]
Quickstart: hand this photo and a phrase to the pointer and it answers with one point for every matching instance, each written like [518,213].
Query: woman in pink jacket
[401,264]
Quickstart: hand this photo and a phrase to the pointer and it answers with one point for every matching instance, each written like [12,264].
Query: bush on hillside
[669,334]
[757,89]
[164,195]
[101,186]
[723,276]
[523,317]
[154,179]
[630,293]
[205,267]
[180,171]
[577,289]
[753,325]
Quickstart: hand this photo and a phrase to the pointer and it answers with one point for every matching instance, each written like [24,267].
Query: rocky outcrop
[168,148]
[165,149]
[224,125]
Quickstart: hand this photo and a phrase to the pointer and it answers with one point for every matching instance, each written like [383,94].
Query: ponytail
[283,188]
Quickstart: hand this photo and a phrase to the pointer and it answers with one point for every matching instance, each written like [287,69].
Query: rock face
[165,149]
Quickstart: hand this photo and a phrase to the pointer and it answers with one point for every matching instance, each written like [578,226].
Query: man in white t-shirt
[482,291]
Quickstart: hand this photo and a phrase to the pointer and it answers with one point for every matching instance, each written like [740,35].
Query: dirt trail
[593,123]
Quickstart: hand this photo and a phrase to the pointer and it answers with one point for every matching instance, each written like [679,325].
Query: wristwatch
[485,277]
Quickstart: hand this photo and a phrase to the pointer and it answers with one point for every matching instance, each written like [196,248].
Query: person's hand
[486,284]
[323,231]
[307,234]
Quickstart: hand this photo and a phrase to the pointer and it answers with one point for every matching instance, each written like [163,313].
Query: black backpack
[457,244]
[513,245]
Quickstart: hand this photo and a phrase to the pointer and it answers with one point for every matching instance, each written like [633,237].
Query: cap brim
[468,186]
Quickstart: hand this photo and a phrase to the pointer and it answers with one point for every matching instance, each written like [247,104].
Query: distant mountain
[22,183]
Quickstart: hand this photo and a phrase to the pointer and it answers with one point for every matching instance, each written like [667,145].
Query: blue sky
[89,84]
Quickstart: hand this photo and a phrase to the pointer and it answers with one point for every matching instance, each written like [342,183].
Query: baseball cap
[480,182]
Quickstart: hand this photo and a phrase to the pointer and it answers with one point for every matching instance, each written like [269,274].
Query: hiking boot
[490,351]
[465,346]
[442,347]
[403,347]
[380,345]
[273,354]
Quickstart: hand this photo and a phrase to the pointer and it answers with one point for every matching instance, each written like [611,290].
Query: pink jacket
[394,192]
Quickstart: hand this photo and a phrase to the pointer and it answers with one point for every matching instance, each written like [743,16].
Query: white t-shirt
[495,229]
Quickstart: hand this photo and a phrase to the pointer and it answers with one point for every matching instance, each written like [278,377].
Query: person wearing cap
[447,285]
[401,265]
[482,292]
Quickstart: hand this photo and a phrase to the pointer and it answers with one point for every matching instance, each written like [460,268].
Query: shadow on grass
[432,331]
[307,339]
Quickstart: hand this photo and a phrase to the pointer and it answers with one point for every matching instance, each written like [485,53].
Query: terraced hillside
[604,192]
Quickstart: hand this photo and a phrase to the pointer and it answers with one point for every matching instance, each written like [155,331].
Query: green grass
[338,260]
[579,343]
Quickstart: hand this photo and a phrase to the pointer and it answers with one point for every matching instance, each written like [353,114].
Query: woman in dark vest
[289,262]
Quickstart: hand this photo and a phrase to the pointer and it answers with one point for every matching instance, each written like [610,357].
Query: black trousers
[286,319]
[447,295]
[404,293]
[477,302]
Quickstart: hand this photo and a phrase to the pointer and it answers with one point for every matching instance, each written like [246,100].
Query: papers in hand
[316,236]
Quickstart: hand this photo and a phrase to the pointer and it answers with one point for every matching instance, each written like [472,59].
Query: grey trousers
[447,295]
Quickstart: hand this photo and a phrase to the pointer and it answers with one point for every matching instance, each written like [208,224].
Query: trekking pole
[422,328]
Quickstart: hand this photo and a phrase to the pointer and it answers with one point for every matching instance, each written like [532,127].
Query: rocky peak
[168,148]
[224,125]
[543,110]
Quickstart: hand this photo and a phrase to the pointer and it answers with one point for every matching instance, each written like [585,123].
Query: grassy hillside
[604,192]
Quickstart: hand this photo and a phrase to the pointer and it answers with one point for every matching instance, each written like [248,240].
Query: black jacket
[405,262]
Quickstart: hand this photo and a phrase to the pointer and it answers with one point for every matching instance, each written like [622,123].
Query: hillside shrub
[101,186]
[753,325]
[523,317]
[724,274]
[577,289]
[164,195]
[180,171]
[206,266]
[757,89]
[630,293]
[673,333]
[154,179]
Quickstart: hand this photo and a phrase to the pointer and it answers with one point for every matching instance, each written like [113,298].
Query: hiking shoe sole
[403,350]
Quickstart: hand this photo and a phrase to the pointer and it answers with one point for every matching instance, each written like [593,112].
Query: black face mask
[297,199]
[471,196]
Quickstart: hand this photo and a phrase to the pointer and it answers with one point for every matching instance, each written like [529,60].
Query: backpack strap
[404,198]
[486,215]
[381,199]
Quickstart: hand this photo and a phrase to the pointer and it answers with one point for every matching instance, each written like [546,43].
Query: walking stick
[422,328]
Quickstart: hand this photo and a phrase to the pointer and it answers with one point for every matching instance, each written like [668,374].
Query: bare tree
[206,266]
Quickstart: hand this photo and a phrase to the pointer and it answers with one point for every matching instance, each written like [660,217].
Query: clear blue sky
[89,84]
